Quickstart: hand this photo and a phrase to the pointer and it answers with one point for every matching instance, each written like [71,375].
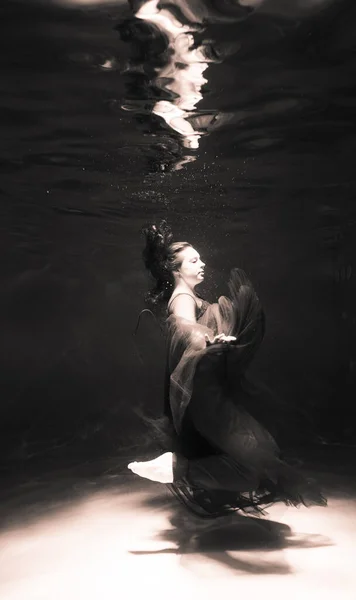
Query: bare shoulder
[183,305]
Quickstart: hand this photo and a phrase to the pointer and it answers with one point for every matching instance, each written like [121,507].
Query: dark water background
[271,189]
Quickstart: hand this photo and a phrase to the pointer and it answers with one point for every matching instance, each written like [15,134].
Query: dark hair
[160,256]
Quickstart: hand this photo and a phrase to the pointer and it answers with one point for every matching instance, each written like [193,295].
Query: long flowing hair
[161,259]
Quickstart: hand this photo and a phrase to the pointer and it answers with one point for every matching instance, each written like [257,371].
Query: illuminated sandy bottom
[135,541]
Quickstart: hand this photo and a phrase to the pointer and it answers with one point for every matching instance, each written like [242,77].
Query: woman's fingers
[225,339]
[221,338]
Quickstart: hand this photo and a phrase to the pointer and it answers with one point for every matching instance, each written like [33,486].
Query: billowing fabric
[223,453]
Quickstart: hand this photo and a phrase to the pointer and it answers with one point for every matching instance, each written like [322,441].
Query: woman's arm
[184,306]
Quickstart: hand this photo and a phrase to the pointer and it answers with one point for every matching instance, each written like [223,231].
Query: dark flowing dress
[224,458]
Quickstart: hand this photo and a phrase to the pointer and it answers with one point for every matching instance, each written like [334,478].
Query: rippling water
[234,120]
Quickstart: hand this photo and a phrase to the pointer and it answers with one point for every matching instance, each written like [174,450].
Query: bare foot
[160,469]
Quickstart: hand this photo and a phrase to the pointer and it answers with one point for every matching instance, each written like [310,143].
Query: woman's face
[192,267]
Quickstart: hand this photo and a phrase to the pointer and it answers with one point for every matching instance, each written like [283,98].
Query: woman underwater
[221,458]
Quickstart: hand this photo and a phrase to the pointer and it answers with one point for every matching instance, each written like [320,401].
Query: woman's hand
[221,338]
